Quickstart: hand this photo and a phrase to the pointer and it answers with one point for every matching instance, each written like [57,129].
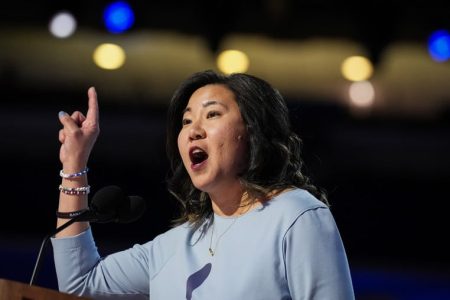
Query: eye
[186,121]
[212,114]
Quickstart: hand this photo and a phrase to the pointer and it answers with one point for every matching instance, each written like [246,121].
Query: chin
[202,186]
[198,184]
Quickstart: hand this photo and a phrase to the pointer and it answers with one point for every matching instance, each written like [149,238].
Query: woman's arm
[316,262]
[79,267]
[77,138]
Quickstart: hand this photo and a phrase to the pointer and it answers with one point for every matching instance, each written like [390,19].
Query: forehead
[211,94]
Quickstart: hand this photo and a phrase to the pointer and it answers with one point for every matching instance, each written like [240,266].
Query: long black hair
[274,158]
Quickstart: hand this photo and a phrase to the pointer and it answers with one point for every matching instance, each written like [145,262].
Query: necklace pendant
[211,251]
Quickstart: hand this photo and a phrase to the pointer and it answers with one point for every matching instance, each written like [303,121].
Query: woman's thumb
[66,120]
[62,114]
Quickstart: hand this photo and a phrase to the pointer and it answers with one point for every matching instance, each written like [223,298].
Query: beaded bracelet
[78,174]
[70,214]
[83,190]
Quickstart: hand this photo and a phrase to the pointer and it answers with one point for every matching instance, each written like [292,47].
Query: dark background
[386,174]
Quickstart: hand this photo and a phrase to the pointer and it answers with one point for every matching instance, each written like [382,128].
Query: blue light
[439,45]
[118,17]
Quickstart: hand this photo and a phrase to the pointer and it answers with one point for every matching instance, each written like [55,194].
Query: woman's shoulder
[173,234]
[163,246]
[292,203]
[287,208]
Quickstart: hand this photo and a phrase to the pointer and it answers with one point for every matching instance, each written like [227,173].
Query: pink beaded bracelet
[83,190]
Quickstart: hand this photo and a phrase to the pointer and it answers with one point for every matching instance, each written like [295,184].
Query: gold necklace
[211,251]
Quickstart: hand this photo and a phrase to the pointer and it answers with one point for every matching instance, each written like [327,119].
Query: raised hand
[78,135]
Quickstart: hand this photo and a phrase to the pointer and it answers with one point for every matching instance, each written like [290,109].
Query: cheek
[242,147]
[180,144]
[235,146]
[241,150]
[179,141]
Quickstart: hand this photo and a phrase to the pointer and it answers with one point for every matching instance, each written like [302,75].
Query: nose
[196,132]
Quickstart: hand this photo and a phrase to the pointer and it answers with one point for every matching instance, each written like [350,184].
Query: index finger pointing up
[92,113]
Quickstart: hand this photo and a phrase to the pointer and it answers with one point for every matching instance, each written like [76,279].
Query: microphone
[109,204]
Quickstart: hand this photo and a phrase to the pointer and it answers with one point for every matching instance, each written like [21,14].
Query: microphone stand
[47,238]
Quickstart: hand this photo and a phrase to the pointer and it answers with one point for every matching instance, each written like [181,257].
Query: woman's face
[213,139]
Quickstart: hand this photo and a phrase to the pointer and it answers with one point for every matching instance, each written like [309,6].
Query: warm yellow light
[233,61]
[109,56]
[357,68]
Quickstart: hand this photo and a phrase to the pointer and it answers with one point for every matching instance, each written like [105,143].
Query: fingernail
[62,114]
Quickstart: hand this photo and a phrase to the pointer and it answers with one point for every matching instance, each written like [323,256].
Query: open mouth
[197,155]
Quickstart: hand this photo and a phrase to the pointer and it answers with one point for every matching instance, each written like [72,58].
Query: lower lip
[196,167]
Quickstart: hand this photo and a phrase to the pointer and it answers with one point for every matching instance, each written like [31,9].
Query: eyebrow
[205,104]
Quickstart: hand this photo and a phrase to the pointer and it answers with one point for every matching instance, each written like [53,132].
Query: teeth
[197,155]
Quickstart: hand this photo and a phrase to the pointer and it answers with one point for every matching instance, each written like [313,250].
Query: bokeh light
[233,61]
[439,45]
[118,17]
[356,68]
[109,56]
[362,94]
[62,24]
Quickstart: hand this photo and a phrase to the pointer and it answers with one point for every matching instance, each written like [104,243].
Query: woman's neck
[234,202]
[238,202]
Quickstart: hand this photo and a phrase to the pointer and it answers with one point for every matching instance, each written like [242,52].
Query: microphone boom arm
[47,238]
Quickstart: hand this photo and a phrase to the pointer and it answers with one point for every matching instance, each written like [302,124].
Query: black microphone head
[131,210]
[106,202]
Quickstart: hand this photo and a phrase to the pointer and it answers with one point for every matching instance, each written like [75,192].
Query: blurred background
[368,86]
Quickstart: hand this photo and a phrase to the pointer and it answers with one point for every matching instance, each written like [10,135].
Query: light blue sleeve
[81,271]
[316,263]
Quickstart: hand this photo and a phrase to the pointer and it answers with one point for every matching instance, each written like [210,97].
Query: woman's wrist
[73,167]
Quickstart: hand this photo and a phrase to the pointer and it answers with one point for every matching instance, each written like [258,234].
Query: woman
[251,224]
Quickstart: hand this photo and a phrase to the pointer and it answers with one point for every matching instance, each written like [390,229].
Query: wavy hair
[274,158]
